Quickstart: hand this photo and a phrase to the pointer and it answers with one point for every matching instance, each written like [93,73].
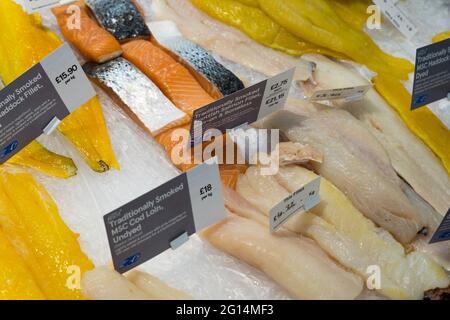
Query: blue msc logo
[9,149]
[130,261]
[420,100]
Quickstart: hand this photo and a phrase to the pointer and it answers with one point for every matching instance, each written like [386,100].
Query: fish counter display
[384,169]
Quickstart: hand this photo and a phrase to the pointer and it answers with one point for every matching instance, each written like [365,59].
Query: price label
[156,221]
[432,74]
[67,76]
[244,107]
[51,89]
[350,94]
[300,201]
[397,17]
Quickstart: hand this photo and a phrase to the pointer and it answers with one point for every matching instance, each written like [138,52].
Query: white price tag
[276,93]
[351,94]
[205,188]
[302,200]
[68,77]
[397,17]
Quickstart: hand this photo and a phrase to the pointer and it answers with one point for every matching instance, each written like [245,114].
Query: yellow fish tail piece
[86,129]
[35,156]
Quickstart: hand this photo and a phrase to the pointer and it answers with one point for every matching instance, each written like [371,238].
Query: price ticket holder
[179,241]
[51,126]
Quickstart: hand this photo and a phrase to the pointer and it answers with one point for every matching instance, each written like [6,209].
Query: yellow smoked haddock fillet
[320,24]
[35,156]
[441,36]
[24,41]
[86,129]
[258,26]
[30,220]
[354,12]
[421,121]
[16,282]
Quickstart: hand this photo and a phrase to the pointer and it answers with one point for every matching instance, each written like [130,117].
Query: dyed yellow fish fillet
[317,22]
[86,129]
[16,282]
[257,25]
[421,121]
[354,12]
[30,220]
[441,36]
[24,41]
[35,156]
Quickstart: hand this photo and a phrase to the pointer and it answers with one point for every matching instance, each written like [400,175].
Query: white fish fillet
[227,41]
[295,263]
[367,241]
[342,231]
[439,251]
[356,163]
[155,288]
[103,283]
[412,159]
[296,153]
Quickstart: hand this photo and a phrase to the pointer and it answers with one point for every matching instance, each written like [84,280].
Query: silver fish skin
[212,75]
[121,18]
[226,41]
[137,95]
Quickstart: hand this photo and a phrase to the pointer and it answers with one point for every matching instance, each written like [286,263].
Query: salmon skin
[93,42]
[137,95]
[217,80]
[121,18]
[174,80]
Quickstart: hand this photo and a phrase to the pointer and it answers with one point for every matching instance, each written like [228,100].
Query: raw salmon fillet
[94,43]
[171,77]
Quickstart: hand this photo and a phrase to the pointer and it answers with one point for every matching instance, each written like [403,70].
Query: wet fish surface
[198,60]
[121,18]
[226,41]
[174,80]
[410,157]
[357,164]
[307,273]
[93,42]
[140,98]
[339,229]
